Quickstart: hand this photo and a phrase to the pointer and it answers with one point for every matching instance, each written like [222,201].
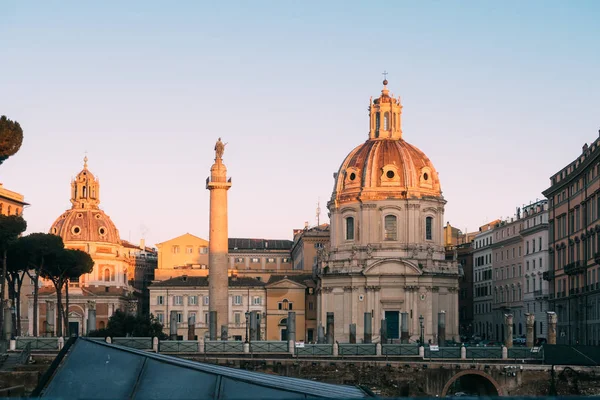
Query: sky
[499,95]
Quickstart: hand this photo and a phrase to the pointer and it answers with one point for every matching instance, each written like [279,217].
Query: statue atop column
[219,149]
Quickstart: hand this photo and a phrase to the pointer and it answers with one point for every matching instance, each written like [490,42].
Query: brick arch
[471,372]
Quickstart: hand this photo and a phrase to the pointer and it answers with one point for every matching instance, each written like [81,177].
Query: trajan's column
[218,293]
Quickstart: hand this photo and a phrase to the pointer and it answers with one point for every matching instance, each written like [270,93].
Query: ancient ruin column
[352,333]
[404,328]
[442,328]
[49,319]
[552,320]
[91,322]
[368,328]
[212,325]
[383,333]
[320,334]
[529,325]
[508,322]
[173,325]
[330,328]
[291,325]
[192,327]
[218,247]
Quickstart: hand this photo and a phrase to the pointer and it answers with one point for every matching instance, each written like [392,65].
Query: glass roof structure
[96,370]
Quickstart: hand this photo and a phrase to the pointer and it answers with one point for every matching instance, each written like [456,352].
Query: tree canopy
[11,226]
[11,138]
[121,324]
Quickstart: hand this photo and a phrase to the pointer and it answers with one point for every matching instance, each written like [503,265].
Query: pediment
[285,284]
[392,266]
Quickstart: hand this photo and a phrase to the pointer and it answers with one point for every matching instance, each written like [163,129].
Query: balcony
[538,293]
[574,268]
[548,275]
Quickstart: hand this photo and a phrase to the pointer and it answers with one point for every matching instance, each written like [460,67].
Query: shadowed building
[574,251]
[387,246]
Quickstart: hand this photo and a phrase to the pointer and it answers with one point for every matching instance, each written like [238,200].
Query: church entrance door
[73,328]
[284,335]
[392,319]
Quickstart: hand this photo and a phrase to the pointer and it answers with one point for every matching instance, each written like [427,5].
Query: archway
[472,383]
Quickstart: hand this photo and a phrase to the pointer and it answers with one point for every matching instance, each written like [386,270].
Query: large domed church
[386,261]
[86,227]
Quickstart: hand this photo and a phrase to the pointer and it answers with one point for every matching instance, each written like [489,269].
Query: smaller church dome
[86,226]
[85,221]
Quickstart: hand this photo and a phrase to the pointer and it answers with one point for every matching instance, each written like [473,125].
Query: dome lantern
[385,116]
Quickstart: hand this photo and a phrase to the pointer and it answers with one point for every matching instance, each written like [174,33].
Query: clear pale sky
[499,95]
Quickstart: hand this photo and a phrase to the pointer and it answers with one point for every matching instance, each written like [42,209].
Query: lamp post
[421,324]
[247,323]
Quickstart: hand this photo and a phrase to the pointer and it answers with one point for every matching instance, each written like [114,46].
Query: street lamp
[421,324]
[247,323]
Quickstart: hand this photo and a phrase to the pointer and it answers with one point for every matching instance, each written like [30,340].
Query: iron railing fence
[269,347]
[140,343]
[443,352]
[484,352]
[399,350]
[358,349]
[220,346]
[37,343]
[315,350]
[178,346]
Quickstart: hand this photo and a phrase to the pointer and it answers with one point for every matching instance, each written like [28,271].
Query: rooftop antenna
[318,211]
[144,230]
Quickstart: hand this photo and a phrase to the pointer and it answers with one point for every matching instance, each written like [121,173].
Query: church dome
[385,166]
[85,221]
[85,226]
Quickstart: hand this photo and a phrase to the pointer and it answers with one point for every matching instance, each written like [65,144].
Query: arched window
[9,210]
[107,275]
[350,228]
[377,124]
[428,228]
[283,322]
[391,227]
[84,192]
[386,121]
[1,207]
[101,325]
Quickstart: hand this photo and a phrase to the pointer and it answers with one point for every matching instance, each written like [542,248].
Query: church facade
[88,228]
[386,256]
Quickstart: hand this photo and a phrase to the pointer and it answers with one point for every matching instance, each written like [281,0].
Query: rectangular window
[177,300]
[540,243]
[257,300]
[160,300]
[270,260]
[205,300]
[193,300]
[349,228]
[192,315]
[237,300]
[311,305]
[160,317]
[189,250]
[203,250]
[285,260]
[179,317]
[175,249]
[237,318]
[391,227]
[255,260]
[429,228]
[206,318]
[239,260]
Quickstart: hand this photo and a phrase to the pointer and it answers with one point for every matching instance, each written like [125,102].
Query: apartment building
[574,235]
[507,266]
[482,282]
[535,260]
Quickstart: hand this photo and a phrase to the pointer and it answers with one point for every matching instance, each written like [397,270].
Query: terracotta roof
[87,291]
[245,244]
[203,281]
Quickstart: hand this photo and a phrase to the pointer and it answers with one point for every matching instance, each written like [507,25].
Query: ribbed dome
[85,225]
[383,169]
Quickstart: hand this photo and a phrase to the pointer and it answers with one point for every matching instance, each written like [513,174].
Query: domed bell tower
[85,189]
[385,116]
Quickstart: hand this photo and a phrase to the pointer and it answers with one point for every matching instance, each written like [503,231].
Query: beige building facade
[387,246]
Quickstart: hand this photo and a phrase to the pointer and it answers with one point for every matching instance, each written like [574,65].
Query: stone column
[212,324]
[330,328]
[49,319]
[383,331]
[321,335]
[218,247]
[291,325]
[529,325]
[254,326]
[368,328]
[442,328]
[404,328]
[352,333]
[91,322]
[8,323]
[192,327]
[552,320]
[173,325]
[508,322]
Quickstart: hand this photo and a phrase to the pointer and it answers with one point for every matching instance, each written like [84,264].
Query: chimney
[143,244]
